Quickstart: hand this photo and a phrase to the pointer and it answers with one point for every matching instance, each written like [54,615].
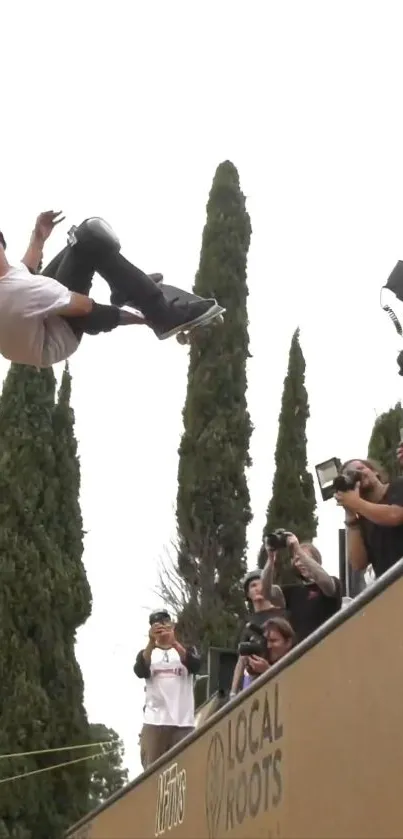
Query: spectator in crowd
[168,669]
[280,638]
[374,517]
[314,597]
[260,607]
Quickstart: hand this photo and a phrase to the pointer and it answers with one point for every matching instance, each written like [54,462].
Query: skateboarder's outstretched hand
[46,222]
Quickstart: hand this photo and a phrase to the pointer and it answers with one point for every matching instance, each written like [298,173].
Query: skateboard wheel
[181,338]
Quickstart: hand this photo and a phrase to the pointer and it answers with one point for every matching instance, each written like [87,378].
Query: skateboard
[216,314]
[172,292]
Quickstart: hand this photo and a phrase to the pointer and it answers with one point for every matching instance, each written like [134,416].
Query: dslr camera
[346,481]
[255,642]
[331,479]
[278,539]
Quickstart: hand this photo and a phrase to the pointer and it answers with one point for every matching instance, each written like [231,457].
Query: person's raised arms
[44,226]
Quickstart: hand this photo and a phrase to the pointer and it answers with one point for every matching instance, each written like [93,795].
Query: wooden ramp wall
[315,749]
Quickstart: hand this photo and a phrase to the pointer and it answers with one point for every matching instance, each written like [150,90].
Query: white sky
[124,110]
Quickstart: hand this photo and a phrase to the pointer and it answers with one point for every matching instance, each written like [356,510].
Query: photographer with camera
[374,515]
[168,669]
[315,596]
[280,638]
[261,606]
[267,645]
[253,652]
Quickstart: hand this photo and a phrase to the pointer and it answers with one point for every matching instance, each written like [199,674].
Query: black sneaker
[176,317]
[118,298]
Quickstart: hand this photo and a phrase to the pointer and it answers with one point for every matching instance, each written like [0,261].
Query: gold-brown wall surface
[315,752]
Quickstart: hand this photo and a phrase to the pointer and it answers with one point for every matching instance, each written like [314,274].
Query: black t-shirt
[384,545]
[308,607]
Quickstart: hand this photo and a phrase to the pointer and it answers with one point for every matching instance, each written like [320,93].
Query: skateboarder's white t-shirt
[29,333]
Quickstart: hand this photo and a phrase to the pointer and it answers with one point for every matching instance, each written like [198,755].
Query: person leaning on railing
[280,638]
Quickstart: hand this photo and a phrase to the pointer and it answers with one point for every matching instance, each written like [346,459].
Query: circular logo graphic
[215,781]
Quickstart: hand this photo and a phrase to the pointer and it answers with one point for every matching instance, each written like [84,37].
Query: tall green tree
[26,614]
[292,504]
[108,774]
[41,687]
[70,533]
[213,509]
[65,685]
[385,438]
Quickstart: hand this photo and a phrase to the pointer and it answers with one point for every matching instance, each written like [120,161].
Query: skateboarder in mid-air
[43,316]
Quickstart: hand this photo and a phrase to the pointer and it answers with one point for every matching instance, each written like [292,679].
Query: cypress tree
[66,688]
[385,438]
[40,703]
[26,601]
[292,504]
[213,508]
[70,532]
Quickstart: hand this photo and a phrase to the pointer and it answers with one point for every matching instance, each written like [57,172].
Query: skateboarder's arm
[44,225]
[81,305]
[33,256]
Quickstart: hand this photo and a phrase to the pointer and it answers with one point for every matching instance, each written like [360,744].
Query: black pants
[74,267]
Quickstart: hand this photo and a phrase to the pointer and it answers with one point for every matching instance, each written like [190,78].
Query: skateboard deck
[183,336]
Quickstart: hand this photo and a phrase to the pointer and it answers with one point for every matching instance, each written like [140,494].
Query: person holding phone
[169,669]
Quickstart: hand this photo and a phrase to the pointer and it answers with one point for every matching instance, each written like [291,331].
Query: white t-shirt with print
[29,333]
[169,691]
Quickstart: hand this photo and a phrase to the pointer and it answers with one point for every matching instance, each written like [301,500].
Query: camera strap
[395,285]
[395,320]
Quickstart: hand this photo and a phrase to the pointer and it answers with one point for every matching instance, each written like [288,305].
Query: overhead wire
[111,747]
[49,768]
[58,749]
